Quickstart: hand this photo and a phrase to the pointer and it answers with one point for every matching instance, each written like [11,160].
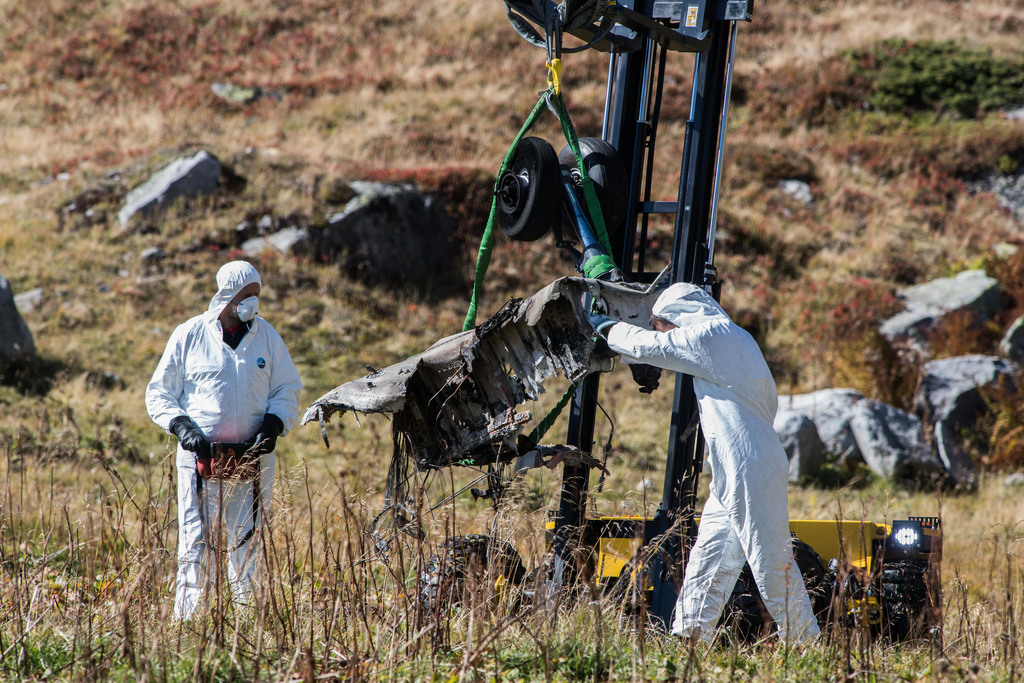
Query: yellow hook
[555,75]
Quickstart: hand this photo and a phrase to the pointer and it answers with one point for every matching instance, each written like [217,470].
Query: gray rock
[893,444]
[1005,250]
[1015,479]
[153,255]
[236,94]
[1008,189]
[949,389]
[391,234]
[803,446]
[950,399]
[1012,343]
[185,178]
[29,301]
[829,409]
[265,224]
[798,190]
[15,338]
[926,303]
[291,241]
[959,465]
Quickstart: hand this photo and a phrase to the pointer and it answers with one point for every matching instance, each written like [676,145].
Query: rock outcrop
[16,341]
[927,303]
[185,178]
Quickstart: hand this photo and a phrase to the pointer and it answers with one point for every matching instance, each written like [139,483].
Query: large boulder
[803,446]
[1012,343]
[961,468]
[950,399]
[1008,189]
[927,303]
[391,234]
[924,447]
[829,410]
[290,241]
[185,178]
[16,341]
[950,388]
[893,444]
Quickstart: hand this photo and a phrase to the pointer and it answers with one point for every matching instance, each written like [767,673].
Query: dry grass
[86,512]
[87,578]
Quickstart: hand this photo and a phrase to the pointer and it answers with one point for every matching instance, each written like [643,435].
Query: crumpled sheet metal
[457,401]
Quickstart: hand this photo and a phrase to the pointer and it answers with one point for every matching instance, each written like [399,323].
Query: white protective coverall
[227,392]
[746,516]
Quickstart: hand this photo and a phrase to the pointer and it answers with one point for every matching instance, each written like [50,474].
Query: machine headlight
[907,537]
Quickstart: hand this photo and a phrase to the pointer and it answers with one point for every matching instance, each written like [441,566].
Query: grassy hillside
[96,95]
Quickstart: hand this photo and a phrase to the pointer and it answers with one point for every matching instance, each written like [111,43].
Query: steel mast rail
[639,35]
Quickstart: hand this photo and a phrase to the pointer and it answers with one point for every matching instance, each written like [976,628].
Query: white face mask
[247,309]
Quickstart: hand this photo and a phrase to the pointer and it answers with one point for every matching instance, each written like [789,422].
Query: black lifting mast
[639,36]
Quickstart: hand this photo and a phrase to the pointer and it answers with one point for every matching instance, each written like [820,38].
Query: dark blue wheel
[529,191]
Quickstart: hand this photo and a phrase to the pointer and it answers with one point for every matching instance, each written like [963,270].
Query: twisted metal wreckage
[457,403]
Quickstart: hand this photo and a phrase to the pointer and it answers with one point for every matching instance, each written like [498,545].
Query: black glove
[647,376]
[189,436]
[265,440]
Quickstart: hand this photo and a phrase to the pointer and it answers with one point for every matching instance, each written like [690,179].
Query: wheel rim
[528,193]
[511,188]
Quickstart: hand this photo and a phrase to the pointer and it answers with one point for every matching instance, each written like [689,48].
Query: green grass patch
[905,77]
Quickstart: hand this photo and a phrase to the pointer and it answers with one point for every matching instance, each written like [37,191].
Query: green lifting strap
[595,266]
[589,193]
[544,425]
[483,258]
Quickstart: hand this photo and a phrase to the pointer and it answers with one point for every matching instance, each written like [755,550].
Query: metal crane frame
[645,32]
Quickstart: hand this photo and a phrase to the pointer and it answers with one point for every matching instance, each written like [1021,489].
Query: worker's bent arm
[679,350]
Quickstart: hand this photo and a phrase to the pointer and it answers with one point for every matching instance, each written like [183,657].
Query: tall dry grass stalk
[87,547]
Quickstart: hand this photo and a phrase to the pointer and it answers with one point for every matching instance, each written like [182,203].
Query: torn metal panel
[458,401]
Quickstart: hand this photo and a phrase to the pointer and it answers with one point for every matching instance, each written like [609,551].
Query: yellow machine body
[844,540]
[852,542]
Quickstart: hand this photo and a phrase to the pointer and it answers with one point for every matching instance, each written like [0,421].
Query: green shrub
[1007,165]
[907,77]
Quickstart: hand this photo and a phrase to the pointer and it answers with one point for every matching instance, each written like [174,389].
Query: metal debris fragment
[457,402]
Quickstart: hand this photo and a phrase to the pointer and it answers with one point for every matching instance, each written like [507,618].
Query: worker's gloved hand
[597,315]
[601,323]
[190,437]
[265,440]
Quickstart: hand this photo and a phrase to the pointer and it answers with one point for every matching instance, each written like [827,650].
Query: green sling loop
[595,266]
[544,425]
[483,258]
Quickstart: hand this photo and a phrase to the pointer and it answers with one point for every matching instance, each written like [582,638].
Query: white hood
[685,304]
[232,278]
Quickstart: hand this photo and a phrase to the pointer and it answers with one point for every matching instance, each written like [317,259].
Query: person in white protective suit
[746,517]
[225,377]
